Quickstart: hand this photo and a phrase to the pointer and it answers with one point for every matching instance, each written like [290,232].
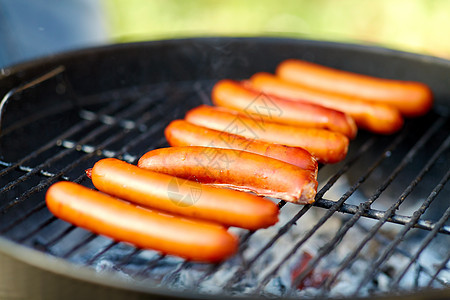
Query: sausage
[183,197]
[254,104]
[326,146]
[122,221]
[234,169]
[375,117]
[410,98]
[183,133]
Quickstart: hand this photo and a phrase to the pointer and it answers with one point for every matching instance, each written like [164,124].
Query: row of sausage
[264,137]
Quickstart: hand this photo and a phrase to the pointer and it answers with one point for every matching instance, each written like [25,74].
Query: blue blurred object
[31,29]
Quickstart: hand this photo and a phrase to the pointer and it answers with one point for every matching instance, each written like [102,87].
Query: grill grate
[127,123]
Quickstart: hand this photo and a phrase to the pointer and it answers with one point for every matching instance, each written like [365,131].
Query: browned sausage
[183,133]
[234,169]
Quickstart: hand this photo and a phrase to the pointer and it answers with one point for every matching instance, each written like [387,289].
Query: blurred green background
[421,26]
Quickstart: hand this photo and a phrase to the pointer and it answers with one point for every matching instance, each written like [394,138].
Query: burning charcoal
[313,279]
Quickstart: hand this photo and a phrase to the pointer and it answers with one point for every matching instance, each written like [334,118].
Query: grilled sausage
[123,221]
[183,197]
[409,97]
[326,146]
[376,117]
[234,169]
[235,95]
[183,133]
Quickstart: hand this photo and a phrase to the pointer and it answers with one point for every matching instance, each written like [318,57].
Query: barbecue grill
[379,227]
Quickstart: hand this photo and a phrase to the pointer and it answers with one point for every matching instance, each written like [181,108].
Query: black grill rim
[15,75]
[19,73]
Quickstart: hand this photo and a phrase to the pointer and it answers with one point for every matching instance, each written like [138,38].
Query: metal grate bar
[60,155]
[441,267]
[147,130]
[378,214]
[352,256]
[39,187]
[385,241]
[103,251]
[59,236]
[241,271]
[51,160]
[24,217]
[366,205]
[139,125]
[86,148]
[112,96]
[109,141]
[33,211]
[27,169]
[335,207]
[387,252]
[202,94]
[108,120]
[170,278]
[127,259]
[38,228]
[431,235]
[45,183]
[70,131]
[74,129]
[64,170]
[243,244]
[150,265]
[85,241]
[79,126]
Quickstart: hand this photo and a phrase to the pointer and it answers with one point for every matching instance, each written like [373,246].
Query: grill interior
[379,223]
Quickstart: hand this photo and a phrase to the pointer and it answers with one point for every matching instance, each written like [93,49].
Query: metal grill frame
[126,125]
